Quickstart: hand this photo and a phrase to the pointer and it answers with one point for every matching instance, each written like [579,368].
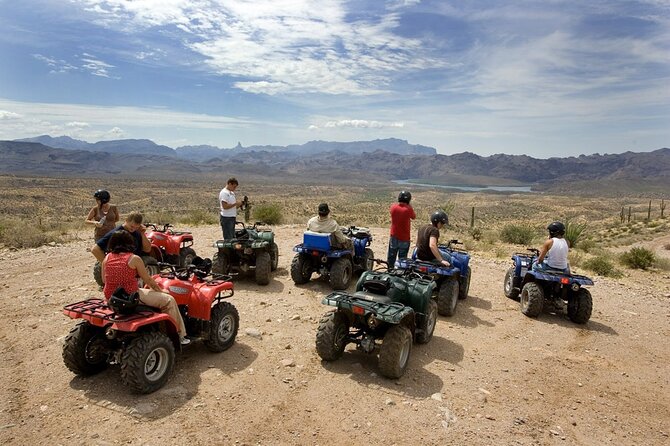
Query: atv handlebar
[534,251]
[155,227]
[189,270]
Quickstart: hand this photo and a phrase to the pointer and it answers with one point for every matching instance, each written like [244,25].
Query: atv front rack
[392,312]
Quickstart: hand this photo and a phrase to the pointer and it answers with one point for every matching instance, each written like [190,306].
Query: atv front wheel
[508,285]
[340,273]
[274,255]
[186,257]
[426,329]
[223,327]
[263,267]
[97,274]
[220,263]
[394,352]
[85,350]
[447,297]
[301,269]
[147,362]
[532,299]
[464,285]
[331,336]
[580,306]
[368,264]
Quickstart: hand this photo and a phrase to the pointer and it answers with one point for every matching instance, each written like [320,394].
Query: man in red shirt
[401,214]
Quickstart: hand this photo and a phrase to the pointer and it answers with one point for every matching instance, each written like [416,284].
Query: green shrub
[587,245]
[638,258]
[601,266]
[268,213]
[200,217]
[475,233]
[15,233]
[517,234]
[573,232]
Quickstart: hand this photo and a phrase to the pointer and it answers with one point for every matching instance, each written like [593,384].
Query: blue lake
[469,188]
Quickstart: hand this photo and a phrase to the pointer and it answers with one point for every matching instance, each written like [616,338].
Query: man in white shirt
[228,208]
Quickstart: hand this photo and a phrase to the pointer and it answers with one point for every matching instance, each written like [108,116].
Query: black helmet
[324,209]
[556,228]
[439,217]
[122,302]
[404,197]
[102,195]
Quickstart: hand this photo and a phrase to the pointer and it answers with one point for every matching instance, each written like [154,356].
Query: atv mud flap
[393,312]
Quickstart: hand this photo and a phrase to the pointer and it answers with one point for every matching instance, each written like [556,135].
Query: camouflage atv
[252,249]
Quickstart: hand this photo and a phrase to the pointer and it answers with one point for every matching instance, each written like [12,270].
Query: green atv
[252,249]
[385,315]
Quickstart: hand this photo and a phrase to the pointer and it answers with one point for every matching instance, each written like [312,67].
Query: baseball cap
[323,209]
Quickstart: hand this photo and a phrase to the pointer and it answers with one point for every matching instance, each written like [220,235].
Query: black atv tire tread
[184,256]
[580,311]
[389,354]
[424,336]
[221,310]
[263,267]
[368,265]
[74,350]
[532,299]
[97,274]
[464,285]
[297,267]
[220,263]
[447,297]
[330,325]
[274,255]
[340,273]
[134,357]
[508,285]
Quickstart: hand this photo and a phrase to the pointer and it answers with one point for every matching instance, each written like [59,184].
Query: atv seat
[377,286]
[379,298]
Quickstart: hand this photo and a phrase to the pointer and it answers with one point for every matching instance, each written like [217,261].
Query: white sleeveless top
[557,256]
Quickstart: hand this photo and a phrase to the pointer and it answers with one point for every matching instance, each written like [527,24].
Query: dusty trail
[489,376]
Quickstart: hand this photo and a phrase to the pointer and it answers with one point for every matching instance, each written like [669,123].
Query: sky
[543,78]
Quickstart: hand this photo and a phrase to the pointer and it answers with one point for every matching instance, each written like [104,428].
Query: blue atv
[550,289]
[453,282]
[387,312]
[316,255]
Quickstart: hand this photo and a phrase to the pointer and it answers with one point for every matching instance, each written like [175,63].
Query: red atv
[170,246]
[143,340]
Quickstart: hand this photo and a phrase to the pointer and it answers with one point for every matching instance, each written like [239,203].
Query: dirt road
[489,376]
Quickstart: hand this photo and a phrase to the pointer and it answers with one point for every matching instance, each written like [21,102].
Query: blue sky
[543,78]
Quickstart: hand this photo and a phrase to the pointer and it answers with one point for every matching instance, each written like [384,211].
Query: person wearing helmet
[326,224]
[427,238]
[103,215]
[554,251]
[401,215]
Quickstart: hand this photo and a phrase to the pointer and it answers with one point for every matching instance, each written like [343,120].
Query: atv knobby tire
[331,336]
[368,264]
[223,327]
[340,273]
[263,267]
[84,351]
[580,306]
[532,299]
[186,257]
[508,285]
[274,255]
[447,297]
[97,274]
[427,327]
[464,285]
[220,263]
[147,362]
[301,269]
[394,352]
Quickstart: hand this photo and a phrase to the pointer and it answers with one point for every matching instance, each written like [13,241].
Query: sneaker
[184,341]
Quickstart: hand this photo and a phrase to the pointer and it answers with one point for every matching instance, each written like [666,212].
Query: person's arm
[432,244]
[98,253]
[146,244]
[543,251]
[413,214]
[136,263]
[102,268]
[90,219]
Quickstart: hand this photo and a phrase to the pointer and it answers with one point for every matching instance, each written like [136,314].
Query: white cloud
[77,124]
[362,123]
[56,65]
[7,115]
[96,66]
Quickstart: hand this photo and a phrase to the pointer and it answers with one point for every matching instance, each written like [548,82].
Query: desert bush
[573,232]
[575,258]
[517,234]
[587,245]
[475,233]
[15,233]
[602,266]
[268,213]
[662,263]
[667,246]
[638,258]
[200,217]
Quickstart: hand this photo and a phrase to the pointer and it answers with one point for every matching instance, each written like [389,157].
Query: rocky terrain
[489,376]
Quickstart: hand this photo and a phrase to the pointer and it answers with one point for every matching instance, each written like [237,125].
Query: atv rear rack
[97,311]
[391,312]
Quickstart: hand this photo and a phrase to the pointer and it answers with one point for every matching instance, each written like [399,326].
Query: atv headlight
[575,287]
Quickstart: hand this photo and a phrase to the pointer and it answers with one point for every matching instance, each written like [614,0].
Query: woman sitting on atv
[121,267]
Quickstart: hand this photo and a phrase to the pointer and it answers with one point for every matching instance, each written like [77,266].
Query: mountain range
[378,161]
